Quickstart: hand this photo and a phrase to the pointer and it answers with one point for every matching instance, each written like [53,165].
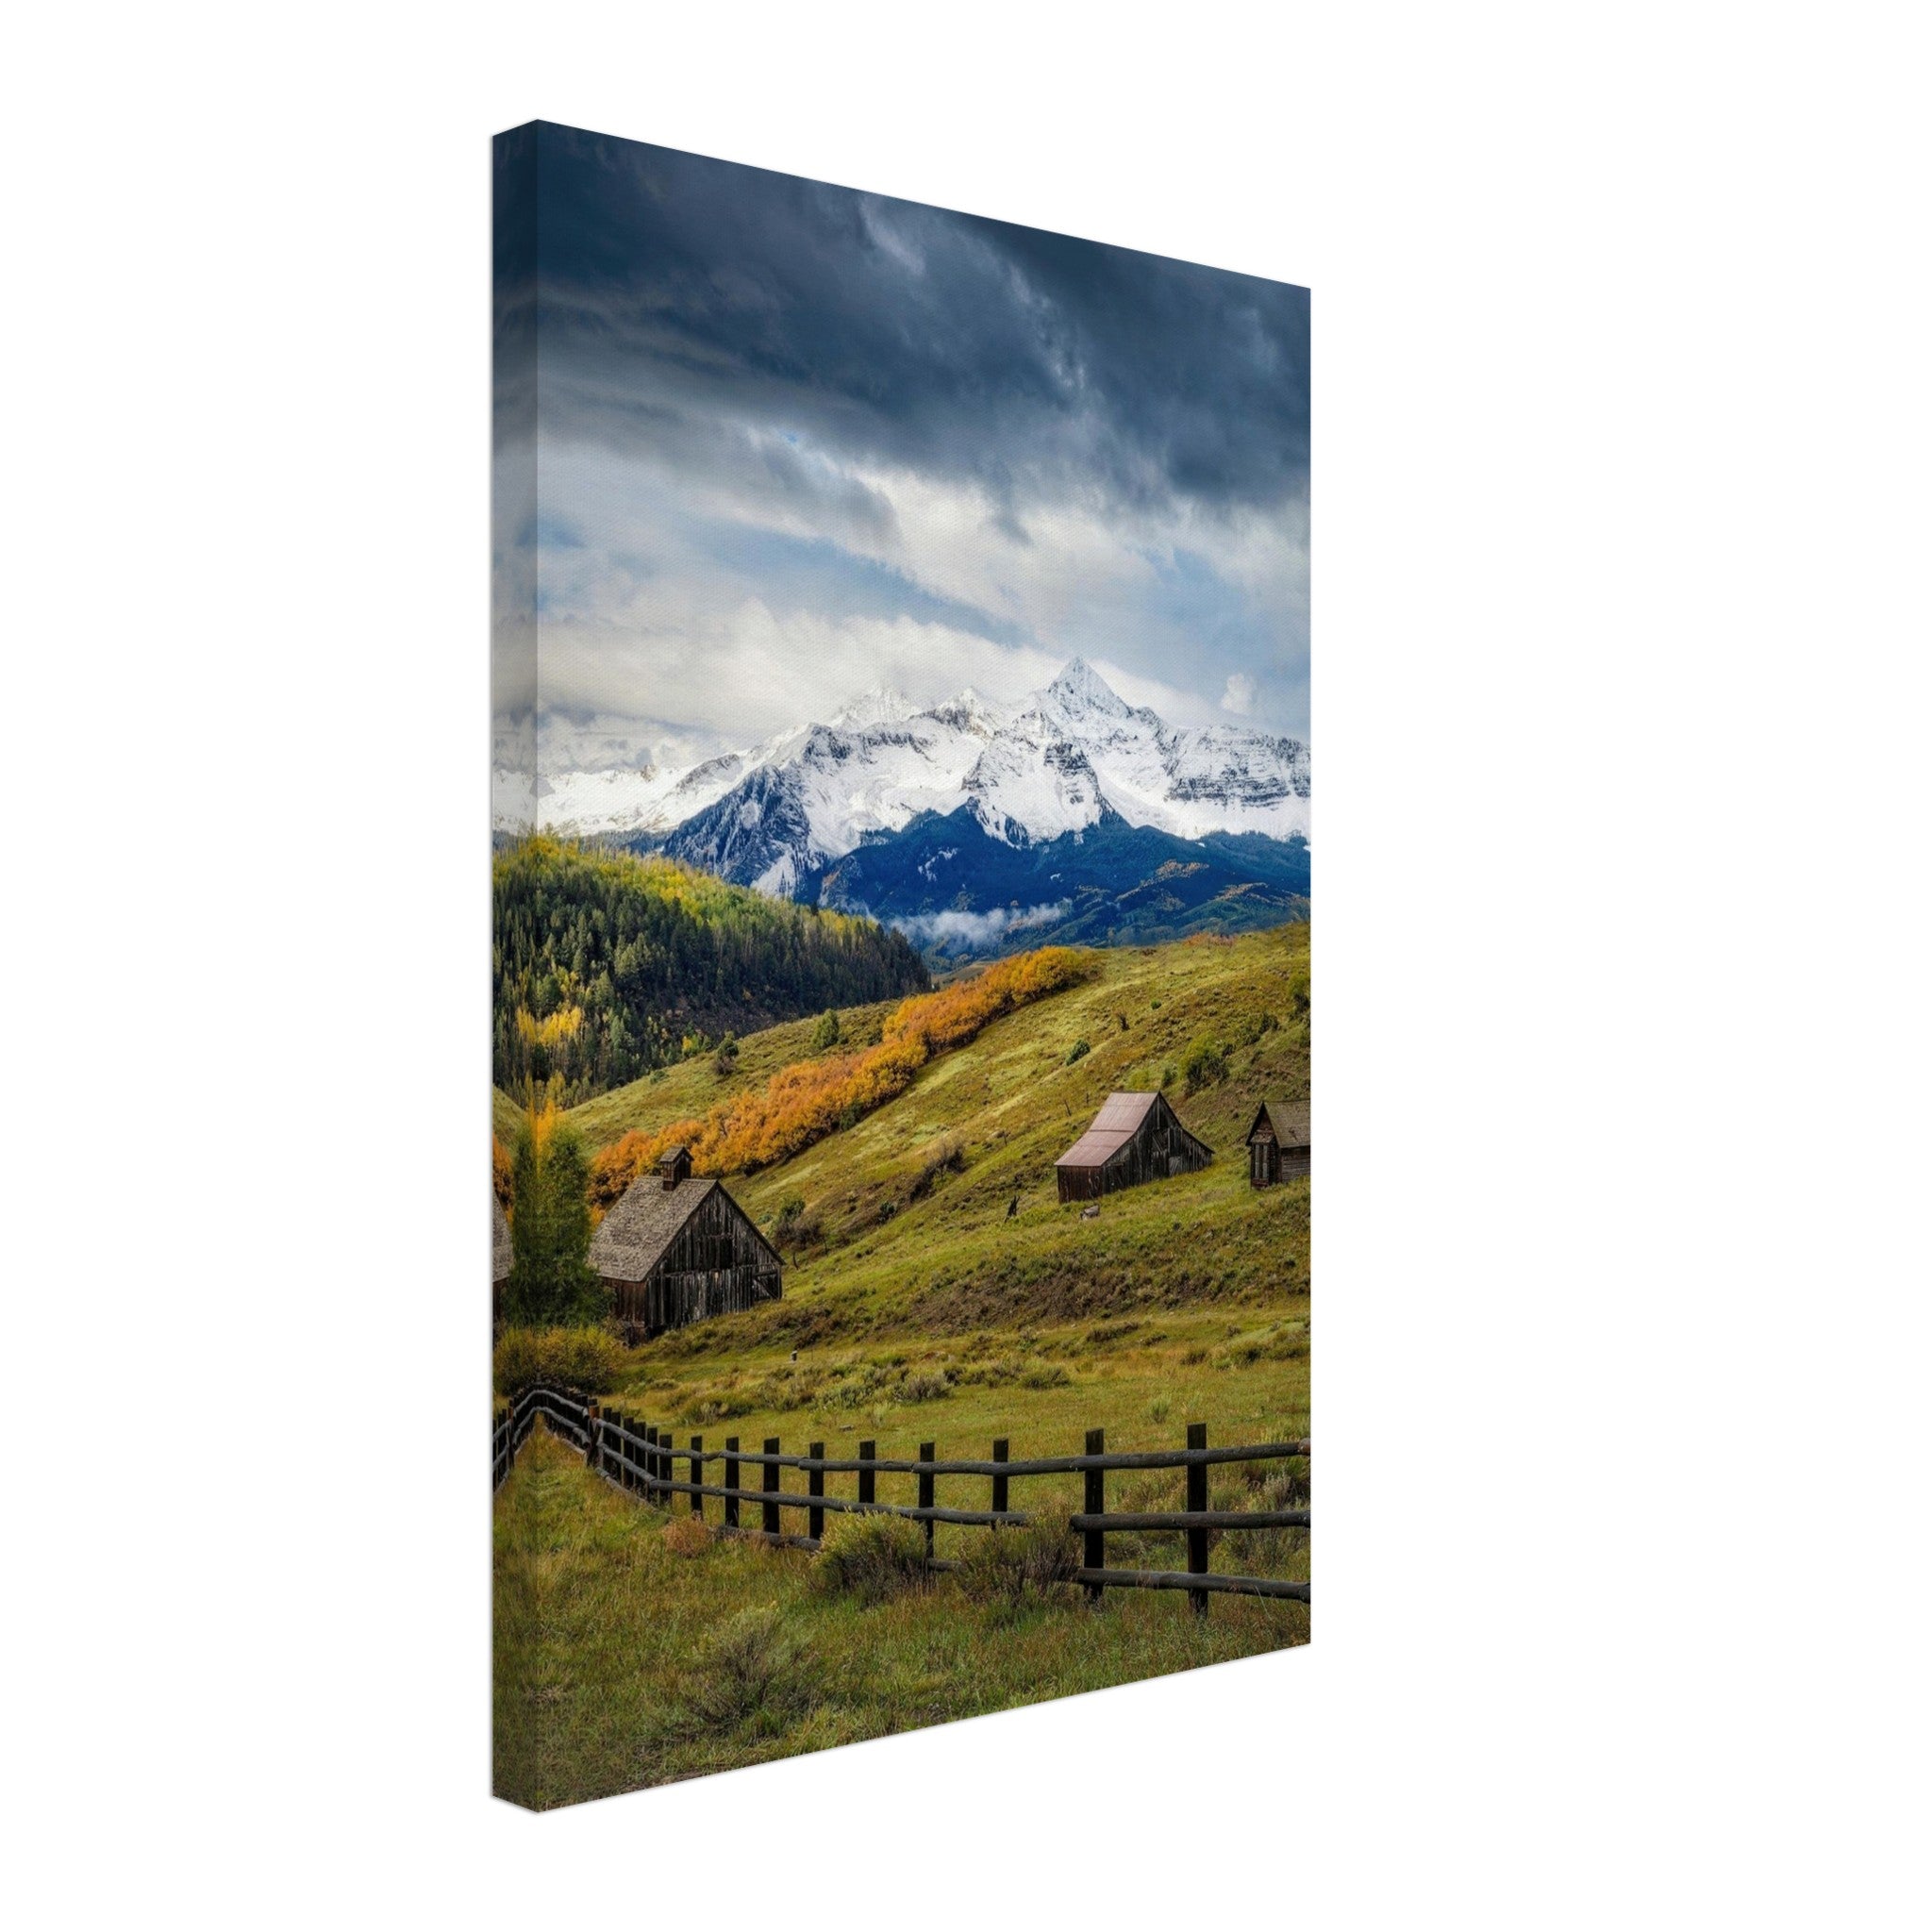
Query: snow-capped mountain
[1049,767]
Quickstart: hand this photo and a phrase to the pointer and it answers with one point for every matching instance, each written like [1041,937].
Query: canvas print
[902,1018]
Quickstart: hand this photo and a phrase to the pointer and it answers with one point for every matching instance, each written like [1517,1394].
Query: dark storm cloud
[796,440]
[1034,364]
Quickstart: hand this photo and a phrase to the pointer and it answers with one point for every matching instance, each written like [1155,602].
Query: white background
[1620,642]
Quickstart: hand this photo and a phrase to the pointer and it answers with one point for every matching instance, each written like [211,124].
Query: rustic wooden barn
[1135,1138]
[499,1255]
[675,1250]
[1278,1142]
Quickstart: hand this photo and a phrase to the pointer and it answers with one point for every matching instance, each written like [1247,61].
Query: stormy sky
[793,442]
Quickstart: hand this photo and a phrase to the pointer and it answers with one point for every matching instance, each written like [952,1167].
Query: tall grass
[621,1663]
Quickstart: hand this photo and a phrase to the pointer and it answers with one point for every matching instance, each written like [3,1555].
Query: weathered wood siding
[1270,1162]
[717,1263]
[1160,1148]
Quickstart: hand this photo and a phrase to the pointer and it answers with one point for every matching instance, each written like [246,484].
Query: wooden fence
[645,1461]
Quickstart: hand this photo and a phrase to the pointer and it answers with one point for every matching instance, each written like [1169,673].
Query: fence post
[771,1485]
[651,1469]
[999,1482]
[815,1483]
[1095,1554]
[868,1476]
[731,1482]
[594,1434]
[926,1452]
[697,1472]
[1197,1499]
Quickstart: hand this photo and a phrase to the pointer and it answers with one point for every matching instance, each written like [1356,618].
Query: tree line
[607,965]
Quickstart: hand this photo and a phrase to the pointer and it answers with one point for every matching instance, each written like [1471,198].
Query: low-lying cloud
[978,932]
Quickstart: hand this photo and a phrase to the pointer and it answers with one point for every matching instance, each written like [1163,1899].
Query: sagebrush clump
[1205,1063]
[748,1676]
[1012,1566]
[587,1359]
[871,1556]
[946,1155]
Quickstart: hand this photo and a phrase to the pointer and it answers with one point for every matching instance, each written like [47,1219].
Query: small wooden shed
[499,1254]
[1135,1138]
[675,1250]
[1278,1142]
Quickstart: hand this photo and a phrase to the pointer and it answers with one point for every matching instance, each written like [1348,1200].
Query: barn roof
[644,1222]
[1288,1118]
[499,1240]
[1116,1124]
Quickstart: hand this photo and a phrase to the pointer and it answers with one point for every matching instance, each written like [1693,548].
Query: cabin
[499,1254]
[1278,1142]
[1135,1138]
[676,1250]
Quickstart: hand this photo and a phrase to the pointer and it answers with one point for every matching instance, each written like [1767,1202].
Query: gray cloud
[776,407]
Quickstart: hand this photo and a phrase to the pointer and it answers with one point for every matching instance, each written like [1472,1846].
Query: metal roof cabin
[1135,1138]
[675,1250]
[1279,1146]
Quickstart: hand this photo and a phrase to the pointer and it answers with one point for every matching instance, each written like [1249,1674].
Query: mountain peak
[877,706]
[1079,685]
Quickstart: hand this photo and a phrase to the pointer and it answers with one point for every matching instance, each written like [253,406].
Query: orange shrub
[687,1536]
[803,1103]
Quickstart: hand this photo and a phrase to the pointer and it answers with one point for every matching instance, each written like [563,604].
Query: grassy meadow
[921,1304]
[622,1662]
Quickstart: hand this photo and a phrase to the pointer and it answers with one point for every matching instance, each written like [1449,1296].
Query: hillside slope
[910,1205]
[607,964]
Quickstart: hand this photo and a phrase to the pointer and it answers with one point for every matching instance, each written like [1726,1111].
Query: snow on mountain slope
[826,794]
[875,707]
[647,800]
[1034,781]
[1032,772]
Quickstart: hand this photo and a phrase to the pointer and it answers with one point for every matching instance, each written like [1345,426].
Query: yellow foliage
[803,1103]
[553,1030]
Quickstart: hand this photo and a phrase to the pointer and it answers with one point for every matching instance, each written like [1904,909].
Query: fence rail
[644,1459]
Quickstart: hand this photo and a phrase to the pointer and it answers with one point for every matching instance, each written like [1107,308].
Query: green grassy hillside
[694,1087]
[917,1305]
[916,1310]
